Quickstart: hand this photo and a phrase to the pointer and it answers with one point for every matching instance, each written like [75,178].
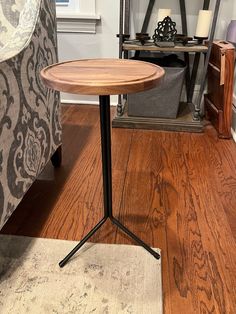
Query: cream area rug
[101,278]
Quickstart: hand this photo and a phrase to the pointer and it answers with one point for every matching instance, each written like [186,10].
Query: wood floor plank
[141,207]
[120,155]
[215,175]
[188,265]
[185,262]
[196,266]
[220,161]
[177,191]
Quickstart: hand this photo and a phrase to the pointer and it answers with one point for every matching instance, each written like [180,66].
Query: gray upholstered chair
[30,128]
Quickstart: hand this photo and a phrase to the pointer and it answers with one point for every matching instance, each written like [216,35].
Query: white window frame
[65,3]
[77,17]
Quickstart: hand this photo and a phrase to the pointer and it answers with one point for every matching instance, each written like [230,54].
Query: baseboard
[233,134]
[233,130]
[234,100]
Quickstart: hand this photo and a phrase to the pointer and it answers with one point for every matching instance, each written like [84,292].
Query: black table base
[104,102]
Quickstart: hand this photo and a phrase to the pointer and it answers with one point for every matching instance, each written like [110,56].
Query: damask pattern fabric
[14,39]
[30,129]
[9,18]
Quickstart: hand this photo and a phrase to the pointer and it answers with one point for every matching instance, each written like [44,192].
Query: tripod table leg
[82,242]
[135,238]
[105,127]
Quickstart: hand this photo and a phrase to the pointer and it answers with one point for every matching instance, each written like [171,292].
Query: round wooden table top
[102,76]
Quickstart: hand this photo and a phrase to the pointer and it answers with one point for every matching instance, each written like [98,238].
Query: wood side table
[104,77]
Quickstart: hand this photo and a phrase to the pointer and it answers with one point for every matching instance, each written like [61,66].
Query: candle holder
[123,36]
[182,39]
[164,35]
[142,37]
[200,40]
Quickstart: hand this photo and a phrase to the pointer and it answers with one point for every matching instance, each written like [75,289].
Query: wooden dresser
[218,101]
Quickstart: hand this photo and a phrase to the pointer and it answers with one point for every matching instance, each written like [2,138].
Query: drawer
[219,49]
[216,87]
[216,56]
[217,72]
[214,114]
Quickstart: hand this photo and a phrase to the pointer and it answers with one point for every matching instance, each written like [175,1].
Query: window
[76,16]
[67,6]
[62,2]
[80,7]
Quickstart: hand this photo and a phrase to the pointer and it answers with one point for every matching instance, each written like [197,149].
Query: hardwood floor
[177,191]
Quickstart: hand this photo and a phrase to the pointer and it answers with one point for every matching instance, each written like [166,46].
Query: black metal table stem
[104,103]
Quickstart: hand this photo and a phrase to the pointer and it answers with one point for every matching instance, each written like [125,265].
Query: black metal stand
[104,102]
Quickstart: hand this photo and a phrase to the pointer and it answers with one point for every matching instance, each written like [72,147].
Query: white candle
[162,13]
[203,23]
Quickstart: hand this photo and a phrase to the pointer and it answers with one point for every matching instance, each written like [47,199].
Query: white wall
[103,44]
[227,12]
